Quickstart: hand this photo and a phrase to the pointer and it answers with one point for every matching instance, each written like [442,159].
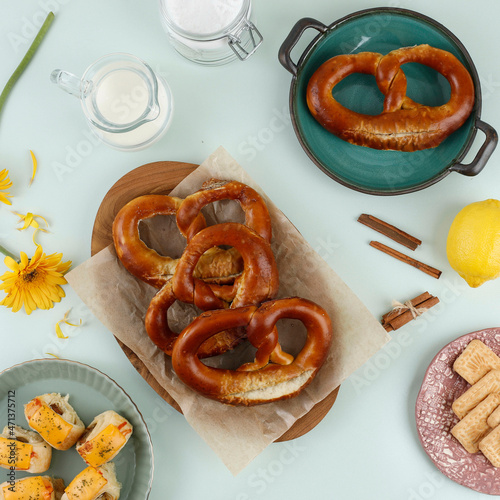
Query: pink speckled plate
[435,418]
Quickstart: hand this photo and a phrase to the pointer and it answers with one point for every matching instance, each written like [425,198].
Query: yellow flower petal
[29,300]
[5,183]
[35,164]
[38,255]
[17,303]
[3,175]
[4,198]
[74,324]
[11,263]
[24,260]
[59,333]
[30,220]
[64,320]
[55,280]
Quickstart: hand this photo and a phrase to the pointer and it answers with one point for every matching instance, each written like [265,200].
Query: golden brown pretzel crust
[256,213]
[403,125]
[259,279]
[145,263]
[160,333]
[257,282]
[273,381]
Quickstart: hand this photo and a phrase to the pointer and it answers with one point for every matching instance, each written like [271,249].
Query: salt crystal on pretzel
[474,426]
[476,361]
[488,384]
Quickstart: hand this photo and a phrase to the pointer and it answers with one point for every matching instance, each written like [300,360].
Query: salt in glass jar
[210,32]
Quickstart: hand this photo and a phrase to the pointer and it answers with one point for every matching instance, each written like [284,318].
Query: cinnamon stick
[388,317]
[403,317]
[431,271]
[390,231]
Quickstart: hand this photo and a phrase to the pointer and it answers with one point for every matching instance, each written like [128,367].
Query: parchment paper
[236,434]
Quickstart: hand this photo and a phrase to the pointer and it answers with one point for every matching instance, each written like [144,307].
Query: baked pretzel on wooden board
[244,307]
[258,383]
[258,282]
[216,265]
[256,213]
[259,279]
[403,124]
[159,331]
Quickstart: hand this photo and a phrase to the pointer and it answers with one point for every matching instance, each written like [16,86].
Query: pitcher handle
[69,82]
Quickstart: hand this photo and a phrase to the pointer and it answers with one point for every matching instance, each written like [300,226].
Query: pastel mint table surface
[367,446]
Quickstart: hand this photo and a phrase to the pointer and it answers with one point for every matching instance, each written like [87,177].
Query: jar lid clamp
[235,41]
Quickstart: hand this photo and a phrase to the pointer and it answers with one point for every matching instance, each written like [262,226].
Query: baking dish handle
[292,39]
[484,153]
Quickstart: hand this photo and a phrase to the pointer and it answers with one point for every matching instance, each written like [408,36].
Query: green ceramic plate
[367,170]
[91,392]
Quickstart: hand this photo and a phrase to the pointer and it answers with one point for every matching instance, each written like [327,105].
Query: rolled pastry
[24,450]
[94,484]
[55,420]
[106,435]
[32,488]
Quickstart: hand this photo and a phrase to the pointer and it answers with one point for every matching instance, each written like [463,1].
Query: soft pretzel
[403,124]
[145,263]
[257,282]
[159,331]
[251,385]
[256,213]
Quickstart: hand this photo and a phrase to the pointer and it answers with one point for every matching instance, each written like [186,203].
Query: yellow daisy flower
[5,183]
[34,283]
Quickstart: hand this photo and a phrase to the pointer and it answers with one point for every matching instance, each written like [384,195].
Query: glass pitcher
[126,104]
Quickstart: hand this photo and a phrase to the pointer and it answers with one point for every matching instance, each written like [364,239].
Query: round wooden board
[160,178]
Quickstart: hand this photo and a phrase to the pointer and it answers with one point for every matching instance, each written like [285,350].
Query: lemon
[473,245]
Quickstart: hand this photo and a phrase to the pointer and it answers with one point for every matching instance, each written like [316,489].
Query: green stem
[8,254]
[26,59]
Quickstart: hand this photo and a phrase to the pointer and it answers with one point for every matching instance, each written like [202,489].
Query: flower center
[31,276]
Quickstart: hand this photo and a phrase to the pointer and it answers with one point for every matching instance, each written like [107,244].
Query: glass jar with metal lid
[210,32]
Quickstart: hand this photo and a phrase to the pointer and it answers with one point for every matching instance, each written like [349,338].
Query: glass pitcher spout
[70,83]
[154,111]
